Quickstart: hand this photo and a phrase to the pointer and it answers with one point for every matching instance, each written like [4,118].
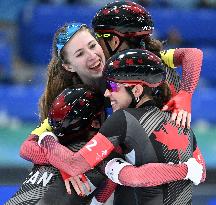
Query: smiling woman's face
[119,99]
[83,54]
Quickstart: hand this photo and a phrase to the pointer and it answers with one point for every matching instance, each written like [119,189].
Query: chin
[97,75]
[115,109]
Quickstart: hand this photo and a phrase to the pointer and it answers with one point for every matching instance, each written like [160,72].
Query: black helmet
[135,66]
[124,18]
[73,110]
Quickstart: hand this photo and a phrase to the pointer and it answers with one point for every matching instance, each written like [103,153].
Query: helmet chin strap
[112,52]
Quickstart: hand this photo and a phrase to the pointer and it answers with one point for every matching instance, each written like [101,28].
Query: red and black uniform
[147,136]
[156,140]
[172,79]
[44,184]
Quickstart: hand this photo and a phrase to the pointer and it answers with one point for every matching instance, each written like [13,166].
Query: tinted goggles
[114,87]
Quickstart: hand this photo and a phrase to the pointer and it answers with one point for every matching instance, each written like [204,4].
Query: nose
[107,93]
[91,55]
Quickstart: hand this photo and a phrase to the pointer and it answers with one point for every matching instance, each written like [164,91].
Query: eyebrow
[79,50]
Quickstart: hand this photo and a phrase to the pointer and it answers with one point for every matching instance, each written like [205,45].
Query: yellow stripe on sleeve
[44,127]
[168,57]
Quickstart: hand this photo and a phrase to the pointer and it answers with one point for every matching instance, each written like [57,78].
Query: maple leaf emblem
[170,137]
[132,6]
[129,61]
[106,11]
[140,61]
[116,63]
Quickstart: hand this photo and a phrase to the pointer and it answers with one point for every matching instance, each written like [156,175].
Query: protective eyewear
[114,87]
[103,35]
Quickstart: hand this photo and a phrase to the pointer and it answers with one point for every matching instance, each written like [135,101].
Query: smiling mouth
[113,104]
[96,67]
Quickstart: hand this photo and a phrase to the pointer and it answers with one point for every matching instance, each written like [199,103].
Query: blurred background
[26,30]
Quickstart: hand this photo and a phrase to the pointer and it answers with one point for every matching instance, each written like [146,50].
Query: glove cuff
[44,134]
[113,168]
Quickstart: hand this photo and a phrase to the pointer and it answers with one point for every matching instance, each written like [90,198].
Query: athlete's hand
[180,105]
[44,135]
[79,183]
[195,171]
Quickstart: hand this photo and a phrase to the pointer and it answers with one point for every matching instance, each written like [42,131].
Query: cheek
[100,52]
[127,99]
[79,65]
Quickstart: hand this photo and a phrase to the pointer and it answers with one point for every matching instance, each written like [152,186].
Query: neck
[94,82]
[143,100]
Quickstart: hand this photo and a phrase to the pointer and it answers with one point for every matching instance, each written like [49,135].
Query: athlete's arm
[191,61]
[152,174]
[30,150]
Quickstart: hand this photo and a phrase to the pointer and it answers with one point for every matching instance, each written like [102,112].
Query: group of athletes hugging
[145,151]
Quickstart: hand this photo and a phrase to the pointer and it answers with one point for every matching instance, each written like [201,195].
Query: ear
[137,90]
[114,43]
[95,124]
[67,67]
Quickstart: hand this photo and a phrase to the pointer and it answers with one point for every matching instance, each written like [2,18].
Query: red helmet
[124,18]
[73,110]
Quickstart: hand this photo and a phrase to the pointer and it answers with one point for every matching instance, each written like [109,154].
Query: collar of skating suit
[147,103]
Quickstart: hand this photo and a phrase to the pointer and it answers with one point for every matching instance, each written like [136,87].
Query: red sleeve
[105,191]
[51,152]
[198,156]
[64,159]
[31,151]
[191,61]
[97,149]
[152,174]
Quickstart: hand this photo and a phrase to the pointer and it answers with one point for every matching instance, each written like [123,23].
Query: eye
[79,54]
[93,45]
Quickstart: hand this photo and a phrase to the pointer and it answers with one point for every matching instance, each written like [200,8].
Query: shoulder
[117,115]
[167,56]
[43,127]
